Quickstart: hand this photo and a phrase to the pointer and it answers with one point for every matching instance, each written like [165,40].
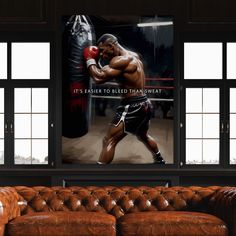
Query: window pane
[231,58]
[211,126]
[202,60]
[1,126]
[40,126]
[1,151]
[203,125]
[22,100]
[22,126]
[193,100]
[211,151]
[3,60]
[232,151]
[39,100]
[31,125]
[1,100]
[232,125]
[211,100]
[1,123]
[40,151]
[23,151]
[194,126]
[232,100]
[193,151]
[30,61]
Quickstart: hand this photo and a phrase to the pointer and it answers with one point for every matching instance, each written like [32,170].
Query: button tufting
[171,202]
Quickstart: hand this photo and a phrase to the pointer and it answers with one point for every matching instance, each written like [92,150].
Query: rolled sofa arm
[224,206]
[9,208]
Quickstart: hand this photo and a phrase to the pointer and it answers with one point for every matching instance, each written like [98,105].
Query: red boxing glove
[91,52]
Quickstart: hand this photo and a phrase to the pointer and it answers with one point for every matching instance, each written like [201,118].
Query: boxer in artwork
[134,113]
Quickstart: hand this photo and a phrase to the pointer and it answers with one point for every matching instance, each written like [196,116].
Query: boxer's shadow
[76,155]
[134,159]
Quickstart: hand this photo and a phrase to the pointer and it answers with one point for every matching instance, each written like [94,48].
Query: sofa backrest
[114,200]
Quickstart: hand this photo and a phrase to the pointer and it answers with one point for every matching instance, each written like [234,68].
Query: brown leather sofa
[109,211]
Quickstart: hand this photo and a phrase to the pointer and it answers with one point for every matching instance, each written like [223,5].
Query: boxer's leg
[151,144]
[113,136]
[148,140]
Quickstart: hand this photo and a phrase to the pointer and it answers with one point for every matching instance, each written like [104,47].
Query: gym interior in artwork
[94,105]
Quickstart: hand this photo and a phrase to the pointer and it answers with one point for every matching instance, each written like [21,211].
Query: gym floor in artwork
[86,149]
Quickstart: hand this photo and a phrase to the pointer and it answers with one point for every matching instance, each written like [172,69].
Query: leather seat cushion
[63,223]
[171,223]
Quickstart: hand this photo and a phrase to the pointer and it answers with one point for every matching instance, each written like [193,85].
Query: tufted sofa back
[113,200]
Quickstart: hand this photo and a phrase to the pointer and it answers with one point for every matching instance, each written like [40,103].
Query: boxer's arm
[104,74]
[116,67]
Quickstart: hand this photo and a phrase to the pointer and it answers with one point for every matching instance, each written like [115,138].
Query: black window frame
[10,84]
[223,84]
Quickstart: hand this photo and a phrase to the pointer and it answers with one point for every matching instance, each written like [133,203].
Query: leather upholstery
[173,223]
[113,200]
[2,230]
[9,208]
[119,202]
[63,223]
[224,206]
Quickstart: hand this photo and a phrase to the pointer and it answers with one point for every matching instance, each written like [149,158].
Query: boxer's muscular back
[132,76]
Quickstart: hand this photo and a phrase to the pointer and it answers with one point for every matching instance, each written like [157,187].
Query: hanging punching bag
[78,35]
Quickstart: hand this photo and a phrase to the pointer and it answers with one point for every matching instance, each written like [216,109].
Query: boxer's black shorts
[135,112]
